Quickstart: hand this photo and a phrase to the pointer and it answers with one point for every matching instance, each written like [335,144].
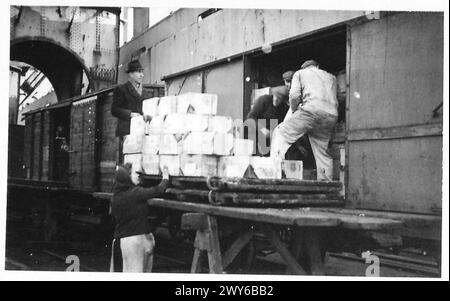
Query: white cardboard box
[151,144]
[156,126]
[243,147]
[233,166]
[150,106]
[223,144]
[208,143]
[136,165]
[293,169]
[172,162]
[171,144]
[198,165]
[197,122]
[150,164]
[221,124]
[137,126]
[175,124]
[266,167]
[197,103]
[167,105]
[132,144]
[257,93]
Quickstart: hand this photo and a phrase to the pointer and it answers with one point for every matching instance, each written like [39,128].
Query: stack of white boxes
[187,137]
[132,146]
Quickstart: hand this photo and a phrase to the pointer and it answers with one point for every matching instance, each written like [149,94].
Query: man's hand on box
[133,114]
[165,173]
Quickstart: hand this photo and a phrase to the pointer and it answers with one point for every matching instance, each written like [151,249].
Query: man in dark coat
[132,235]
[127,101]
[269,110]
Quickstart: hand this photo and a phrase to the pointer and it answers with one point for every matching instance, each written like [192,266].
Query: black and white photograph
[211,140]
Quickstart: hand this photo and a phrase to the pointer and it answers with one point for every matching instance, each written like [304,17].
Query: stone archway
[63,68]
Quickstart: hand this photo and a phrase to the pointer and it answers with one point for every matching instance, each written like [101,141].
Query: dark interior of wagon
[60,143]
[328,48]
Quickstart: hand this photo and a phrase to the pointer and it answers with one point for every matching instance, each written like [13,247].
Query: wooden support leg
[236,247]
[298,248]
[306,247]
[206,239]
[214,255]
[195,267]
[313,251]
[290,260]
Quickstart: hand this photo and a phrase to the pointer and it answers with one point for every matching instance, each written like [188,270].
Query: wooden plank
[410,182]
[195,266]
[413,225]
[214,255]
[411,131]
[367,223]
[298,216]
[276,216]
[248,199]
[313,250]
[394,88]
[281,199]
[292,263]
[236,247]
[279,182]
[102,195]
[194,221]
[243,184]
[279,188]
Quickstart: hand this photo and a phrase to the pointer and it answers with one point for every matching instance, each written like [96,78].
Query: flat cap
[309,63]
[288,75]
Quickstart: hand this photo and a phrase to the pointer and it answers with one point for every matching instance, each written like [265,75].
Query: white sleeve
[295,93]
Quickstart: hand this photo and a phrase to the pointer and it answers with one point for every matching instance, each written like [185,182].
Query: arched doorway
[69,78]
[63,68]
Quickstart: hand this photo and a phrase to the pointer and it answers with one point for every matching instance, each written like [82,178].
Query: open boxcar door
[394,123]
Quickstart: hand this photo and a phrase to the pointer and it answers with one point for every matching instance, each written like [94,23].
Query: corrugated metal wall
[396,77]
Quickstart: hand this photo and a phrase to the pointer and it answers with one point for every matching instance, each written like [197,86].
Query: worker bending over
[269,110]
[314,105]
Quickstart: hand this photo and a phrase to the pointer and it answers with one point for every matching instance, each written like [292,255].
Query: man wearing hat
[287,78]
[314,105]
[127,101]
[269,110]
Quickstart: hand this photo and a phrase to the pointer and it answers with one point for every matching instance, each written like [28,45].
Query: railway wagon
[86,157]
[388,142]
[387,145]
[70,151]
